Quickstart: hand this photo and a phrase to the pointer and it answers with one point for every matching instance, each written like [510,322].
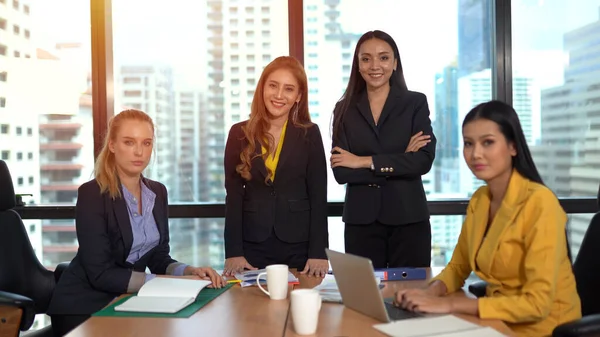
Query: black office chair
[25,285]
[587,276]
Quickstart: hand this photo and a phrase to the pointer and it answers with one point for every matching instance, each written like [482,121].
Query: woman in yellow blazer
[513,237]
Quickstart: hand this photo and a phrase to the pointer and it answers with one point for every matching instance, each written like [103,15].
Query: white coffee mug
[306,304]
[277,281]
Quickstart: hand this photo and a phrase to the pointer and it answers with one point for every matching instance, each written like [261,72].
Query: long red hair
[256,131]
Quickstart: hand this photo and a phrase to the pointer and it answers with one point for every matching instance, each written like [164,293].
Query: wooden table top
[236,312]
[337,320]
[249,312]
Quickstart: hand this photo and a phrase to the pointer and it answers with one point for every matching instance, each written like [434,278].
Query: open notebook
[164,295]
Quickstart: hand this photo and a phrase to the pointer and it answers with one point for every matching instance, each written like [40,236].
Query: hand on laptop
[316,267]
[423,300]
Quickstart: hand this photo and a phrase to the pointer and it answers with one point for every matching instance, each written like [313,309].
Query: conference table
[249,312]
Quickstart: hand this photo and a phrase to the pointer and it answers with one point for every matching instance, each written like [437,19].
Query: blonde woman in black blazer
[276,179]
[122,224]
[382,145]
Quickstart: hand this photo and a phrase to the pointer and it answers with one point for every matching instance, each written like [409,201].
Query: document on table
[328,290]
[248,278]
[439,326]
[164,295]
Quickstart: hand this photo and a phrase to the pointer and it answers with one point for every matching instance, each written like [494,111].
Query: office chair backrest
[586,269]
[20,271]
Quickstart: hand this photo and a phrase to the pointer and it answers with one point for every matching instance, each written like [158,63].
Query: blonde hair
[258,125]
[105,169]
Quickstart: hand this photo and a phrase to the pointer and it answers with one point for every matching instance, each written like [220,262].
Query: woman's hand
[206,273]
[235,265]
[425,302]
[316,267]
[417,141]
[420,300]
[342,158]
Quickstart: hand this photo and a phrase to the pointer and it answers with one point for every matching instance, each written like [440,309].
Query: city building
[570,140]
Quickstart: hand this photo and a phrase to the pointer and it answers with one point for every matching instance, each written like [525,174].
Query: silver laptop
[355,278]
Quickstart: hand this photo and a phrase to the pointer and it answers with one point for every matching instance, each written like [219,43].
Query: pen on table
[234,281]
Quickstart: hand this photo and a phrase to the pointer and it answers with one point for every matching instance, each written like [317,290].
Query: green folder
[204,297]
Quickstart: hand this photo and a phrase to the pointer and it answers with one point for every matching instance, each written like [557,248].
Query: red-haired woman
[276,179]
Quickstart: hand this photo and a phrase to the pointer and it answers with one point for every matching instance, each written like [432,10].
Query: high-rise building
[215,120]
[476,88]
[65,144]
[253,35]
[446,128]
[444,232]
[19,137]
[150,89]
[570,117]
[328,56]
[475,23]
[49,146]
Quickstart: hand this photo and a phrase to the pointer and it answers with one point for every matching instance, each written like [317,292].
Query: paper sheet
[480,332]
[328,290]
[439,326]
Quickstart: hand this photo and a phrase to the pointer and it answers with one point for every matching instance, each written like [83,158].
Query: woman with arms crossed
[385,211]
[513,237]
[122,227]
[276,179]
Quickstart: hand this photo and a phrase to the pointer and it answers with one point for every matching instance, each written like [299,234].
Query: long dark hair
[508,122]
[356,84]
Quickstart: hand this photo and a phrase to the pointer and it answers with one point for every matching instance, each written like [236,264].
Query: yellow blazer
[523,258]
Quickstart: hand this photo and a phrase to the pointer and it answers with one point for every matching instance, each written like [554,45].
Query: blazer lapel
[477,225]
[364,108]
[258,162]
[158,211]
[505,217]
[122,215]
[292,136]
[394,96]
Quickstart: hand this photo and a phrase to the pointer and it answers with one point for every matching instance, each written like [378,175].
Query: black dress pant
[388,246]
[63,324]
[275,251]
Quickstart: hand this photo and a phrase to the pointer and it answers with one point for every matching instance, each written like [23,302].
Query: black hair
[508,122]
[356,84]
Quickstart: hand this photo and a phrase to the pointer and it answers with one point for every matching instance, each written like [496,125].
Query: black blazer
[294,205]
[393,193]
[99,272]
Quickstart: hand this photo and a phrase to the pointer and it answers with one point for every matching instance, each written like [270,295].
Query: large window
[194,65]
[556,90]
[46,135]
[46,125]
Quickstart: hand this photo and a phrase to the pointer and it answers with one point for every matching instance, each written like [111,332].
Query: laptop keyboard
[396,314]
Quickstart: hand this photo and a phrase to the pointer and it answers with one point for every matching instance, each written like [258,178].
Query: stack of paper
[248,277]
[438,326]
[328,289]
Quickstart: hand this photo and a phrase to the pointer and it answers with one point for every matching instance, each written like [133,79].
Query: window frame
[102,63]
